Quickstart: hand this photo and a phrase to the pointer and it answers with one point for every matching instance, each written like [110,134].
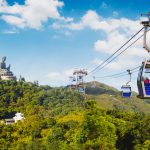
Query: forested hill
[57,118]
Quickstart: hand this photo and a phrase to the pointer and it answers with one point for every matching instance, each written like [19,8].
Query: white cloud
[32,14]
[117,32]
[53,75]
[114,40]
[104,5]
[13,20]
[59,78]
[96,22]
[97,61]
[56,25]
[67,33]
[90,19]
[12,31]
[68,72]
[115,14]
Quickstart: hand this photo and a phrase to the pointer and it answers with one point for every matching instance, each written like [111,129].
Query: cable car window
[147,68]
[126,89]
[146,74]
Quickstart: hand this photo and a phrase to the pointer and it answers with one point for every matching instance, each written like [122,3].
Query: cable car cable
[112,75]
[126,74]
[120,53]
[116,51]
[120,74]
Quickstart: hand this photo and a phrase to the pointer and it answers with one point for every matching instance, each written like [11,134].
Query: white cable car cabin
[126,91]
[143,80]
[81,90]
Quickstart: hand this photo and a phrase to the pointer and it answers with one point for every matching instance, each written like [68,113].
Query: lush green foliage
[57,118]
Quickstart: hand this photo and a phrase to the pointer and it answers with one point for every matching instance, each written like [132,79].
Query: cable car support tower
[78,79]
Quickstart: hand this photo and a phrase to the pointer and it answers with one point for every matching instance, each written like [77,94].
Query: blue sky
[45,40]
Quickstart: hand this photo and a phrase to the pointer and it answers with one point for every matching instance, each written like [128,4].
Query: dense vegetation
[57,118]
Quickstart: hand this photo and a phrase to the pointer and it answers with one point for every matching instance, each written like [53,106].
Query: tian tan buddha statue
[2,63]
[5,73]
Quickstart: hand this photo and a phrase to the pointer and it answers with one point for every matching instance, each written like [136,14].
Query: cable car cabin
[126,91]
[143,80]
[81,90]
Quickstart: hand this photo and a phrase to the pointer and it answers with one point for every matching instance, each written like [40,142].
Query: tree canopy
[57,118]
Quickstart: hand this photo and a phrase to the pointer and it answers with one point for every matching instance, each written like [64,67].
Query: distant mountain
[110,98]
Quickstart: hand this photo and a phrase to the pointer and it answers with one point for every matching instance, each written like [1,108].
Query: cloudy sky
[45,40]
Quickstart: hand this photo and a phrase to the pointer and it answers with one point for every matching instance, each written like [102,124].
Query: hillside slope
[110,98]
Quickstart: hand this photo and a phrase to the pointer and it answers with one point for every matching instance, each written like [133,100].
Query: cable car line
[126,74]
[119,74]
[119,53]
[112,75]
[116,51]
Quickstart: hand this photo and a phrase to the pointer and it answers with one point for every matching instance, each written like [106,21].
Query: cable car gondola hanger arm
[146,25]
[145,41]
[129,72]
